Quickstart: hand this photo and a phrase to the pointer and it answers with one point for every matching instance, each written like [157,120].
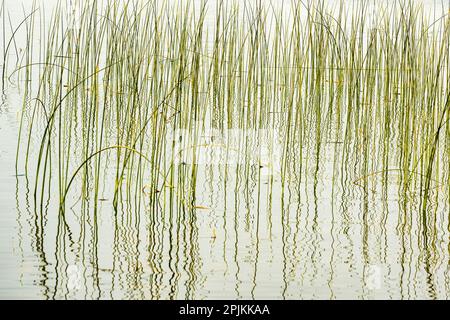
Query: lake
[159,152]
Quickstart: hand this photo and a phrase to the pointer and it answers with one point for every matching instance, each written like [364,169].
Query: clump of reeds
[104,97]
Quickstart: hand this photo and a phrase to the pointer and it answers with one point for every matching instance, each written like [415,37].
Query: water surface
[320,235]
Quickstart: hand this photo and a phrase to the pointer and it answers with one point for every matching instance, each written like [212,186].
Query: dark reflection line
[315,228]
[333,218]
[171,260]
[19,229]
[283,248]
[236,233]
[37,242]
[224,183]
[256,258]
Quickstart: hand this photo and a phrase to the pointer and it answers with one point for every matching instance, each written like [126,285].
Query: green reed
[105,97]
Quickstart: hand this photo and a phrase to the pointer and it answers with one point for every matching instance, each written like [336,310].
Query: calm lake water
[322,238]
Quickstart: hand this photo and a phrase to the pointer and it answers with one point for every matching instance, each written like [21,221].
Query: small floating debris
[147,190]
[201,208]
